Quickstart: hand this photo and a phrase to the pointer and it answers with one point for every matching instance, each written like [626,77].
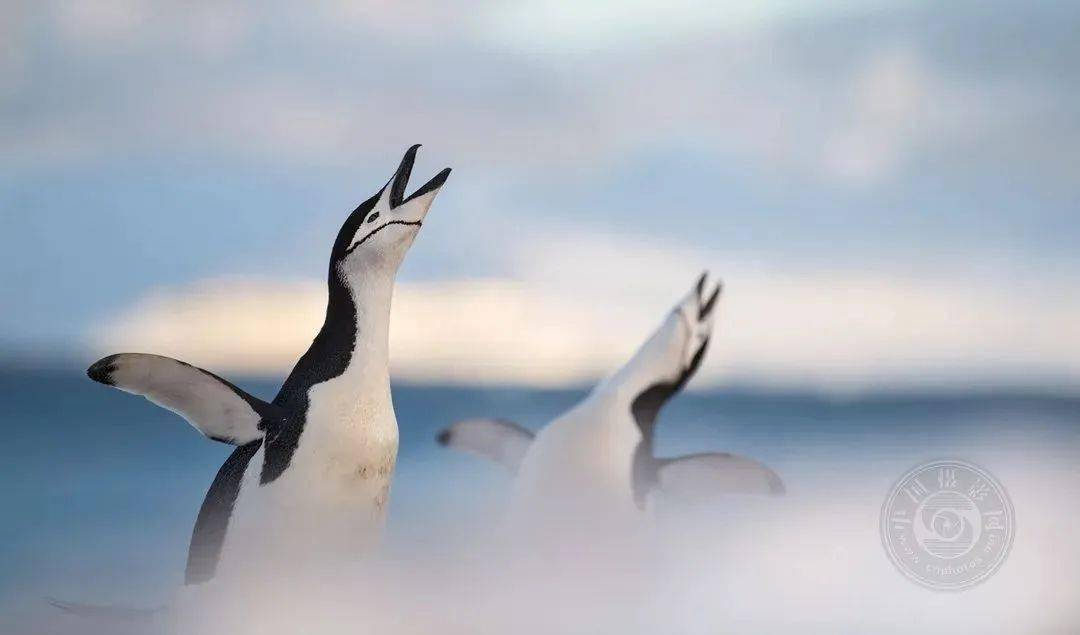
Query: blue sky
[604,150]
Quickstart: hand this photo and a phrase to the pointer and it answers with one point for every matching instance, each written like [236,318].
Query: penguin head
[675,350]
[694,314]
[670,357]
[377,234]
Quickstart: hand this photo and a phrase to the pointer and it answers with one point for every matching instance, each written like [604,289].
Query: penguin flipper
[502,441]
[703,477]
[215,407]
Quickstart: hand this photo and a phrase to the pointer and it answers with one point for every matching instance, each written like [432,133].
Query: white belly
[330,504]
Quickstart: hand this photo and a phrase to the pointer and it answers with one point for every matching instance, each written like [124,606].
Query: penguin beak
[421,197]
[696,311]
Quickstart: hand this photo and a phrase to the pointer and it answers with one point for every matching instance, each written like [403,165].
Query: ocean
[101,490]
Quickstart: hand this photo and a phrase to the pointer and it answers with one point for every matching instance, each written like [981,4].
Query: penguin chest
[348,450]
[331,501]
[318,513]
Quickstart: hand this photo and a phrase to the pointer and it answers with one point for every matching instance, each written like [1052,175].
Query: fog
[809,561]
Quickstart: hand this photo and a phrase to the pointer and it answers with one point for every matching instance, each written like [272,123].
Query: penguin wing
[216,408]
[502,441]
[701,477]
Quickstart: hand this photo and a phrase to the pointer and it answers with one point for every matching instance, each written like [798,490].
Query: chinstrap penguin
[312,469]
[597,458]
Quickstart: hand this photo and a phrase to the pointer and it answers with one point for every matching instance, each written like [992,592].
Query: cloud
[97,24]
[561,27]
[852,135]
[462,332]
[771,91]
[887,97]
[572,318]
[112,29]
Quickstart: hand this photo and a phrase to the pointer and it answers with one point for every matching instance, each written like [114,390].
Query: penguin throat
[371,330]
[353,336]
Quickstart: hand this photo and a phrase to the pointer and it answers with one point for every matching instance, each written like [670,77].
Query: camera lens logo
[947,525]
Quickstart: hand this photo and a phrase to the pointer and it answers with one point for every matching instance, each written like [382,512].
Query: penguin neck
[646,383]
[344,371]
[352,345]
[359,310]
[641,372]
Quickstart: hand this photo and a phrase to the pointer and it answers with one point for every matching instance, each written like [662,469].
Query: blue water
[101,488]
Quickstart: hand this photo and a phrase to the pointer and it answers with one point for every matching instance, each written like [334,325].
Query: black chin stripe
[379,229]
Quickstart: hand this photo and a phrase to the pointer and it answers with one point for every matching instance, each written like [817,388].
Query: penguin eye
[373,217]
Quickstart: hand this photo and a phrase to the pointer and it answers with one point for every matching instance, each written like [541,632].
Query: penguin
[312,469]
[598,456]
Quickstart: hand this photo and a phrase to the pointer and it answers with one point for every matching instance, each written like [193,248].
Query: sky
[888,190]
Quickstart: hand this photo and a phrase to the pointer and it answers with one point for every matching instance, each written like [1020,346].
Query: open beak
[696,313]
[401,180]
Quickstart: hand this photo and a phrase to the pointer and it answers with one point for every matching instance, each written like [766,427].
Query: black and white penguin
[598,456]
[312,470]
